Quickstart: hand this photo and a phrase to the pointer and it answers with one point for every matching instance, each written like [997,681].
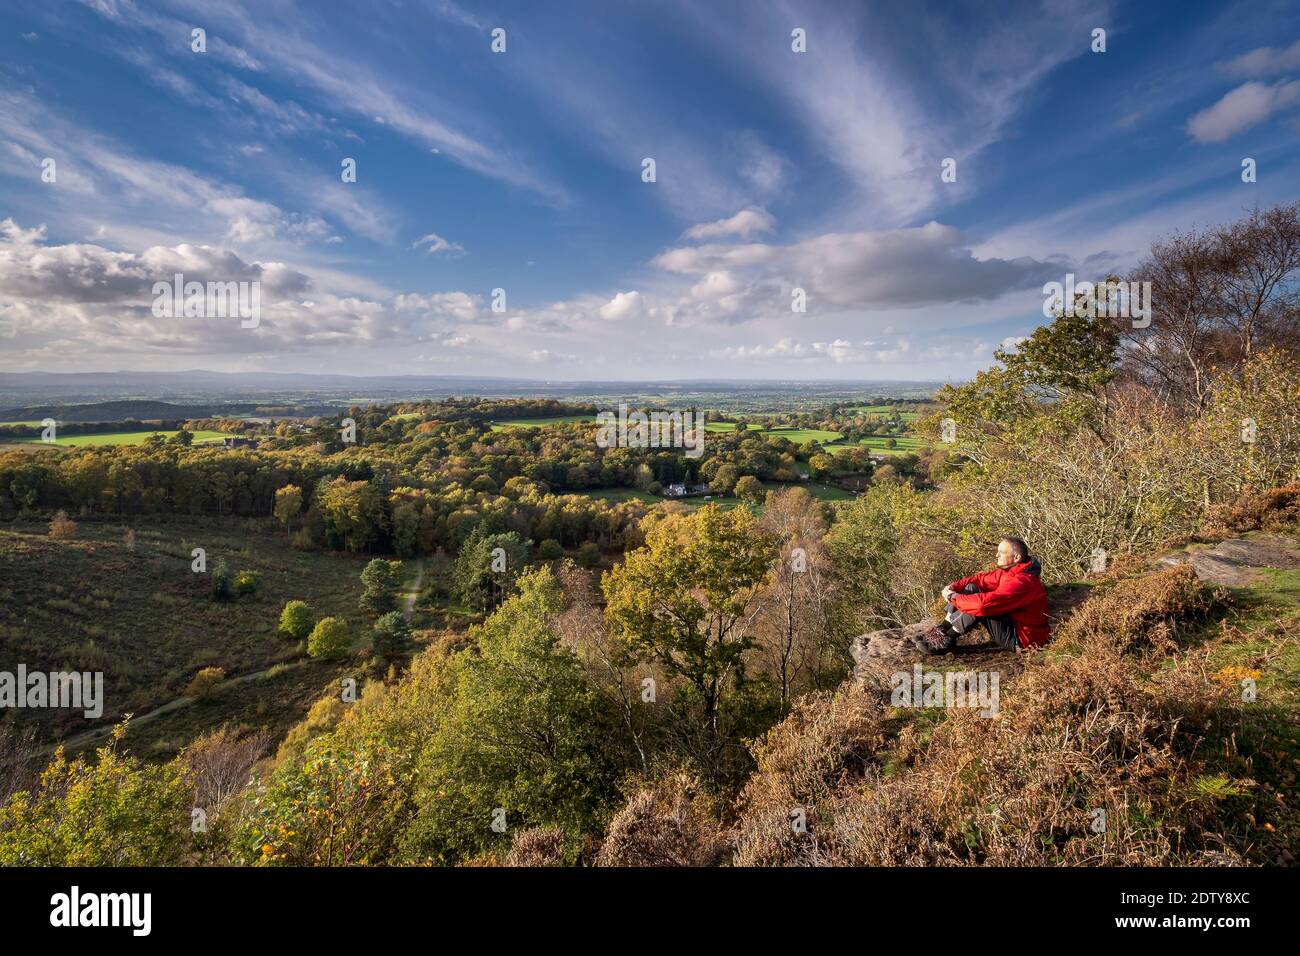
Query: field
[820,491]
[877,443]
[149,623]
[117,438]
[540,422]
[884,410]
[800,436]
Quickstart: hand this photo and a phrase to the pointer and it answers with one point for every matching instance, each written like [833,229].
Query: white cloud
[1248,105]
[1264,61]
[437,244]
[623,306]
[744,224]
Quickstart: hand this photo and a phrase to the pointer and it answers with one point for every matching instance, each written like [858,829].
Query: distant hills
[198,393]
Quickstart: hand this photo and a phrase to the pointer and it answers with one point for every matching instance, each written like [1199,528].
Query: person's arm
[1006,598]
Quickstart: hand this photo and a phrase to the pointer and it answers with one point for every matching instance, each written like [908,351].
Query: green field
[117,438]
[905,444]
[539,422]
[800,436]
[884,410]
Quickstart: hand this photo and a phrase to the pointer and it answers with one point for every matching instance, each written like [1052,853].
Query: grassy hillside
[149,623]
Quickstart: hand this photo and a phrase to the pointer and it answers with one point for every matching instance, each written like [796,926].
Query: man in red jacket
[1009,601]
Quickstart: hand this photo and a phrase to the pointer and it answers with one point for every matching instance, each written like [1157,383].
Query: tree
[524,731]
[353,512]
[381,580]
[391,636]
[724,479]
[296,620]
[549,550]
[330,639]
[487,567]
[749,489]
[680,600]
[288,505]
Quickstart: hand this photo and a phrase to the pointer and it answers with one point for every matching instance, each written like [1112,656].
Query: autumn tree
[681,601]
[288,505]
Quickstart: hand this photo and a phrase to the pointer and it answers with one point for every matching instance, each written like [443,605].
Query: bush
[549,550]
[538,846]
[63,528]
[222,582]
[664,825]
[330,639]
[205,682]
[247,583]
[588,555]
[296,620]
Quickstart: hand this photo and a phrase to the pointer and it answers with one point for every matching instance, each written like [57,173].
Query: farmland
[116,438]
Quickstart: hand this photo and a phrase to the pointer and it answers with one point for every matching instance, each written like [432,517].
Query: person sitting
[1009,602]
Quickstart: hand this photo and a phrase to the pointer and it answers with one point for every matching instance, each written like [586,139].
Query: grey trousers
[1001,630]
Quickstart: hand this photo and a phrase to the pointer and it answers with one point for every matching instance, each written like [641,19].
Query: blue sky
[522,171]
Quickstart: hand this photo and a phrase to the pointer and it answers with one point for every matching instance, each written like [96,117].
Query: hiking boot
[935,641]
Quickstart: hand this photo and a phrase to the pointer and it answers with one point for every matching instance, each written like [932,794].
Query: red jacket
[1016,593]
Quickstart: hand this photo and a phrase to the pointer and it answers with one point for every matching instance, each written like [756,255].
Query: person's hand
[947,593]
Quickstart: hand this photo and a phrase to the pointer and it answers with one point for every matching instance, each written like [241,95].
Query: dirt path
[412,594]
[99,733]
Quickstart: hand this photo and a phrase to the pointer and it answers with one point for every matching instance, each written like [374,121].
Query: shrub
[115,811]
[63,528]
[537,846]
[330,639]
[664,825]
[222,582]
[549,550]
[246,583]
[1271,510]
[204,682]
[588,555]
[296,620]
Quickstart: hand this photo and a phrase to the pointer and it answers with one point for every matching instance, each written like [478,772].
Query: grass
[800,436]
[148,623]
[904,444]
[822,492]
[540,422]
[614,495]
[118,438]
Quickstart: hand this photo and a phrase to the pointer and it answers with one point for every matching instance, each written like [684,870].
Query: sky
[504,221]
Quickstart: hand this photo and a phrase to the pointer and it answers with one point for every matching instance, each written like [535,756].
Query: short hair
[1018,546]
